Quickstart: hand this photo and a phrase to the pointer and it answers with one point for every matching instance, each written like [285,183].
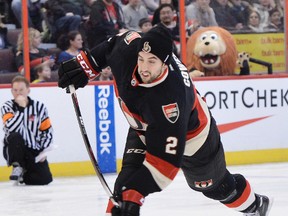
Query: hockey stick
[72,91]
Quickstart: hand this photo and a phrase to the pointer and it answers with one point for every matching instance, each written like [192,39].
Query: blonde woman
[37,55]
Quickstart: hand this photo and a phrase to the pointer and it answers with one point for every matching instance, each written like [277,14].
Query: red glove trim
[133,196]
[110,205]
[86,66]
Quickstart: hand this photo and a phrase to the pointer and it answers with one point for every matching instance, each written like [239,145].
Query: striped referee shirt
[32,122]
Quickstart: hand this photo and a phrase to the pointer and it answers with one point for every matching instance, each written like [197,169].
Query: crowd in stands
[76,24]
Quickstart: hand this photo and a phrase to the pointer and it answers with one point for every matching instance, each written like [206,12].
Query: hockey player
[171,126]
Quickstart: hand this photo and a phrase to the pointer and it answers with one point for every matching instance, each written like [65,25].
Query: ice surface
[84,196]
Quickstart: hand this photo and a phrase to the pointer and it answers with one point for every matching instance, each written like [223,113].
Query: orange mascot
[211,51]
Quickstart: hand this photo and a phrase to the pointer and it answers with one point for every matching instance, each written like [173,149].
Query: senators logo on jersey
[171,112]
[131,36]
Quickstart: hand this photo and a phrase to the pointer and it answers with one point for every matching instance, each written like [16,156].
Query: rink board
[251,113]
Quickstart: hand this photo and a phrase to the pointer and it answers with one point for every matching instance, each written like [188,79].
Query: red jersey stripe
[202,117]
[162,166]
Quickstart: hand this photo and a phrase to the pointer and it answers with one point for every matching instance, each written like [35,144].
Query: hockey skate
[263,206]
[17,174]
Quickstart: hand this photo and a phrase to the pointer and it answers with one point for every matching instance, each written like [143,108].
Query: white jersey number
[172,142]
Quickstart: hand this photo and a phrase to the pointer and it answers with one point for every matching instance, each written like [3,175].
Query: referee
[28,136]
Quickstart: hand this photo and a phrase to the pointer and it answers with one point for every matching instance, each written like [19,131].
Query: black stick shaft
[88,146]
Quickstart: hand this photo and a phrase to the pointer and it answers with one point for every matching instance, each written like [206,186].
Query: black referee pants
[15,151]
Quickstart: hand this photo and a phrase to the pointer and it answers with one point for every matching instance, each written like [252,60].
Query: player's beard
[148,77]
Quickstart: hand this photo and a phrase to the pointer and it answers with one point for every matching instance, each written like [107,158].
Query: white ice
[84,196]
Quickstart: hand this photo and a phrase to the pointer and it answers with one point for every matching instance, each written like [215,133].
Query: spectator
[200,14]
[240,9]
[133,12]
[3,35]
[37,55]
[74,6]
[167,20]
[62,18]
[280,5]
[275,24]
[87,9]
[166,12]
[145,25]
[28,135]
[254,24]
[224,16]
[43,73]
[70,45]
[121,3]
[151,5]
[105,75]
[6,12]
[35,16]
[106,19]
[86,5]
[156,15]
[263,8]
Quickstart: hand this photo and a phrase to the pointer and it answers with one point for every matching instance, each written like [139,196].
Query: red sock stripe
[133,196]
[242,199]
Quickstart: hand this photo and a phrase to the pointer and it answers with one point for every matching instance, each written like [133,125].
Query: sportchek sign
[251,112]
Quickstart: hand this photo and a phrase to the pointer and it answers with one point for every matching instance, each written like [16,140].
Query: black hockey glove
[77,71]
[130,202]
[127,209]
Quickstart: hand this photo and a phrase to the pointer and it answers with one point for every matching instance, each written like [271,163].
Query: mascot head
[213,51]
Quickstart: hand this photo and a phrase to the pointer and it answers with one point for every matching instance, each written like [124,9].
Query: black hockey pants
[15,151]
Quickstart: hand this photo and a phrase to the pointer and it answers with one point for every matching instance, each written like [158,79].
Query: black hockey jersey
[168,114]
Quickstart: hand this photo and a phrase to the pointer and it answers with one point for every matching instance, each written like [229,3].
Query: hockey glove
[131,201]
[77,71]
[127,209]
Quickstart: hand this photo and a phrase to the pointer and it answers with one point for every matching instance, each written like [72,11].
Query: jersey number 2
[172,142]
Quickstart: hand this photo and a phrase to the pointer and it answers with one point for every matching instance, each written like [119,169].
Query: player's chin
[146,79]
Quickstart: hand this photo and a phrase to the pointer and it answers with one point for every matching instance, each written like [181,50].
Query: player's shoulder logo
[171,112]
[131,36]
